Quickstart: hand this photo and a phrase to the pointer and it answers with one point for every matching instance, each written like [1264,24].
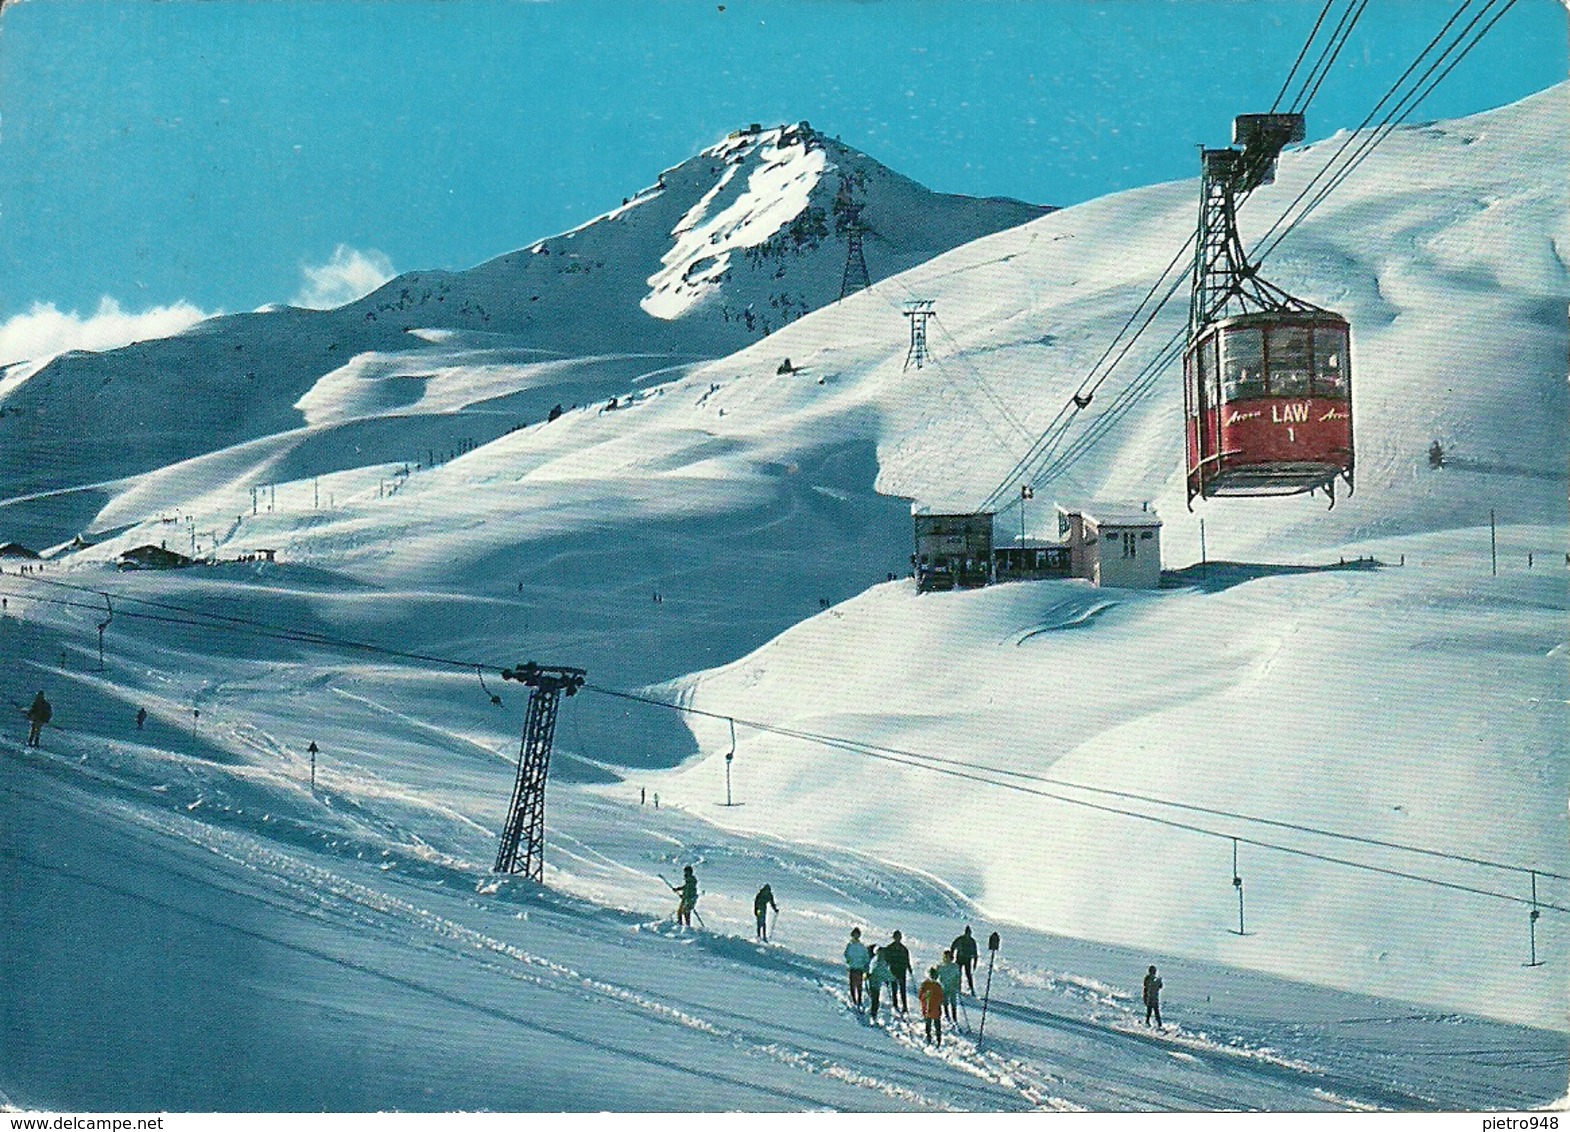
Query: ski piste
[360,915]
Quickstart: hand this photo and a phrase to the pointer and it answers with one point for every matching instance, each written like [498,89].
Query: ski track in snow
[732,478]
[318,887]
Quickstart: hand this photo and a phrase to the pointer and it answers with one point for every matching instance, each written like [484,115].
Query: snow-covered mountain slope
[727,247]
[192,925]
[1422,704]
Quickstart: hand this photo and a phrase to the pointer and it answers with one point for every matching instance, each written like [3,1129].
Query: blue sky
[214,151]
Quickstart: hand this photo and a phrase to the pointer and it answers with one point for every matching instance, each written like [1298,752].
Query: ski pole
[992,954]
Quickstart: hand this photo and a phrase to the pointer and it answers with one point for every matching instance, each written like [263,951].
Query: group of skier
[871,968]
[874,969]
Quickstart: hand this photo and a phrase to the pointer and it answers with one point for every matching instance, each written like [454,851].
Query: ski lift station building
[1114,545]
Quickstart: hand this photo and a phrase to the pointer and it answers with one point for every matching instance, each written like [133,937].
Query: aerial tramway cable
[1366,143]
[1057,463]
[1307,43]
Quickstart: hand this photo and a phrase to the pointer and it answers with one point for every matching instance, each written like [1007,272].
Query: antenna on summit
[918,312]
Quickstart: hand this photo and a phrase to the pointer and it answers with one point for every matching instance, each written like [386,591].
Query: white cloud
[350,274]
[45,330]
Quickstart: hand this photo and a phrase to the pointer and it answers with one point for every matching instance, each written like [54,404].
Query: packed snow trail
[337,924]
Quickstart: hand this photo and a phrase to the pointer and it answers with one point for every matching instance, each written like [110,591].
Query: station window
[1289,361]
[1129,544]
[1243,363]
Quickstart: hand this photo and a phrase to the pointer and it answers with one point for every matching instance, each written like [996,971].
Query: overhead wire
[1327,57]
[1366,142]
[955,769]
[1307,43]
[201,619]
[1394,118]
[1058,463]
[259,628]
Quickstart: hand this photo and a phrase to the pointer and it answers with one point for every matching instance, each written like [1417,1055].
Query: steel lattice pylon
[918,311]
[847,213]
[525,826]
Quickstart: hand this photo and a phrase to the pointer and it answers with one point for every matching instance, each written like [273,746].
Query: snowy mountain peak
[723,250]
[767,183]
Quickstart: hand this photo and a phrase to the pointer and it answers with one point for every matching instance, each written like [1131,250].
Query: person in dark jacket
[37,715]
[1152,996]
[898,956]
[687,896]
[964,948]
[761,904]
[141,717]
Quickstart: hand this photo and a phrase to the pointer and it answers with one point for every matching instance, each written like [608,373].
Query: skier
[898,956]
[141,717]
[948,979]
[857,959]
[688,893]
[931,996]
[761,904]
[964,946]
[37,715]
[878,977]
[643,795]
[1152,997]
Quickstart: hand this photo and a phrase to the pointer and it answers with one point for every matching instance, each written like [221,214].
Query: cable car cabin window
[1243,364]
[1289,361]
[1213,386]
[1206,357]
[1330,361]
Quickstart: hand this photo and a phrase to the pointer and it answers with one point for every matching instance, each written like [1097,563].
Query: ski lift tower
[526,815]
[918,312]
[855,277]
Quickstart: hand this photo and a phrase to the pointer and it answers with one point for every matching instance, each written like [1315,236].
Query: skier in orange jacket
[931,995]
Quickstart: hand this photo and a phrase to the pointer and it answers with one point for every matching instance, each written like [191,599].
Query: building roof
[1117,514]
[158,555]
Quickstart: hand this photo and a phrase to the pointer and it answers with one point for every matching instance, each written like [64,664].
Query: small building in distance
[152,557]
[1115,545]
[952,550]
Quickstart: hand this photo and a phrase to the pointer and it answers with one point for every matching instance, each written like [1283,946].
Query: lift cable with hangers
[875,752]
[916,760]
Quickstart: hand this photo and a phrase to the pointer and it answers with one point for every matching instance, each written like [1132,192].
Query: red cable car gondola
[1267,377]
